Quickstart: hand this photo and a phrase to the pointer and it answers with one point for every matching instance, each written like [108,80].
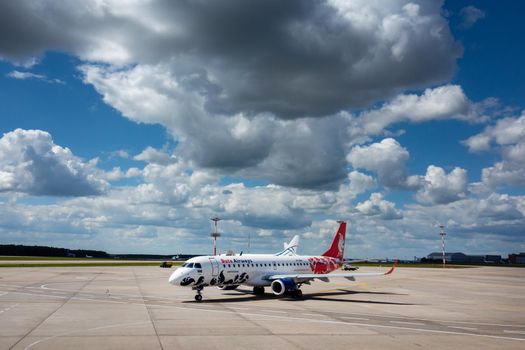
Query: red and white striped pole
[215,234]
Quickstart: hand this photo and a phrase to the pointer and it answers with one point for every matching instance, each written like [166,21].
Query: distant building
[517,258]
[475,259]
[496,259]
[449,257]
[459,257]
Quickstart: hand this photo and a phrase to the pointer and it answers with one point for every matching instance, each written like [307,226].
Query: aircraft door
[214,267]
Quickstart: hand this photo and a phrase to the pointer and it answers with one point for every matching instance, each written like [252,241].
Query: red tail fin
[337,249]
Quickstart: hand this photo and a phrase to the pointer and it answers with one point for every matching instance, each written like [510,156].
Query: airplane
[284,272]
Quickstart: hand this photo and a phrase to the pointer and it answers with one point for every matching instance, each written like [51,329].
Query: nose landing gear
[198,296]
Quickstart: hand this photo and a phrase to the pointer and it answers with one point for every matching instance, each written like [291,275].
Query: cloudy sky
[126,125]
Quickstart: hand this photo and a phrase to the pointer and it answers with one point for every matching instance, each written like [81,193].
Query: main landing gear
[198,296]
[297,293]
[258,290]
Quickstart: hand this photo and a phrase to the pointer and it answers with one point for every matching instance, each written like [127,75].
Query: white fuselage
[247,269]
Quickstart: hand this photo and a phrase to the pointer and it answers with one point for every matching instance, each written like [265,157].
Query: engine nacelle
[279,287]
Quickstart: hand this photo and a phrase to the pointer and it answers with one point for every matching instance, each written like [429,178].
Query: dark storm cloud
[290,58]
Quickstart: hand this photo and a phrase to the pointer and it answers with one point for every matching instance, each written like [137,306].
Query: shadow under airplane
[247,295]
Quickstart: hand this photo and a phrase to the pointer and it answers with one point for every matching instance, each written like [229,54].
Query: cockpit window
[188,265]
[197,266]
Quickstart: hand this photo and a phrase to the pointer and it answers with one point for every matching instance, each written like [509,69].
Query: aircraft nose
[175,277]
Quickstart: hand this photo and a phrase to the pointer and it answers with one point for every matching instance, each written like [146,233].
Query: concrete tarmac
[136,308]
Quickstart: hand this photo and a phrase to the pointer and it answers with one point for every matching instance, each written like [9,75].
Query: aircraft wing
[302,277]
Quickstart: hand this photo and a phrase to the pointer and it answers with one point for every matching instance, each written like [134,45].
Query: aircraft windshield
[192,265]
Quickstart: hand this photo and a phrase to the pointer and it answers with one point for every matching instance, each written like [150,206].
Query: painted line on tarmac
[465,328]
[411,323]
[513,332]
[45,286]
[8,308]
[356,318]
[85,330]
[301,319]
[276,311]
[443,321]
[391,327]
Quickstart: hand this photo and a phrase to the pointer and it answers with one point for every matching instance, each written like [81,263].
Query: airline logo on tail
[337,248]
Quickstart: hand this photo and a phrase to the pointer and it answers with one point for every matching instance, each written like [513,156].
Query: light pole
[215,234]
[443,234]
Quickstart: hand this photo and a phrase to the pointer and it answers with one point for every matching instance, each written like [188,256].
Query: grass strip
[95,264]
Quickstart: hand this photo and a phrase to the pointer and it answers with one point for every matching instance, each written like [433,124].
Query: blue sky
[126,128]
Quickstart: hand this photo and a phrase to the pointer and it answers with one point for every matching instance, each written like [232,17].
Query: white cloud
[387,158]
[377,206]
[256,146]
[360,182]
[116,174]
[506,131]
[437,187]
[31,163]
[227,96]
[444,102]
[238,106]
[470,15]
[28,75]
[508,134]
[152,155]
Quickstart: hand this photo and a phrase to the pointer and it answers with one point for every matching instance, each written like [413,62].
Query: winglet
[392,268]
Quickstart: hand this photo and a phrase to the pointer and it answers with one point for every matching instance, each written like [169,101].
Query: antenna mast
[215,234]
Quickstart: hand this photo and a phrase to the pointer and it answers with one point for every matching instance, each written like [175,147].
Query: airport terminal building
[459,257]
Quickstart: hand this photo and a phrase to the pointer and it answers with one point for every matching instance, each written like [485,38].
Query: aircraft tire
[198,297]
[297,294]
[258,290]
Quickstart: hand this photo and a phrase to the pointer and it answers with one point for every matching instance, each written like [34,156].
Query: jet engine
[279,287]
